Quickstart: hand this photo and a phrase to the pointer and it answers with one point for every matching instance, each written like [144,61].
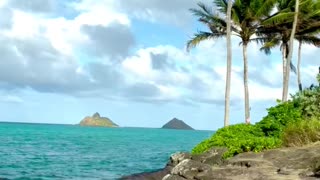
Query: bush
[308,101]
[238,138]
[279,117]
[301,133]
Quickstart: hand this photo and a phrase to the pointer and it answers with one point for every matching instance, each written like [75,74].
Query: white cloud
[25,25]
[177,74]
[99,13]
[3,3]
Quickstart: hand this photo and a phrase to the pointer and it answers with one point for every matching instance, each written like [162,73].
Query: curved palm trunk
[294,26]
[229,63]
[298,67]
[245,83]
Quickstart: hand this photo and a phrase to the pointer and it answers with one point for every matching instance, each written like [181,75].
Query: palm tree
[277,29]
[218,28]
[229,65]
[307,29]
[292,35]
[246,17]
[310,38]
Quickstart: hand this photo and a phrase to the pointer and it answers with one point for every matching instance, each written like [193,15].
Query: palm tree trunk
[245,83]
[298,67]
[294,26]
[229,63]
[284,70]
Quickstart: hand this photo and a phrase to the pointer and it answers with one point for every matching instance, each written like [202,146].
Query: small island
[177,124]
[97,120]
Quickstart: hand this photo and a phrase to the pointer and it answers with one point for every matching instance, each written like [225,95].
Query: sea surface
[43,151]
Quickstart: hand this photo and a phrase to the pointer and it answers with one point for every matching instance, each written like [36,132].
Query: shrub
[238,138]
[278,117]
[301,133]
[309,102]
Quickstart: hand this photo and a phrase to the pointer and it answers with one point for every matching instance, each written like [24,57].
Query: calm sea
[42,151]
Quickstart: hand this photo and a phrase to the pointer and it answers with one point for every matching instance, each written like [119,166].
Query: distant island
[97,120]
[177,124]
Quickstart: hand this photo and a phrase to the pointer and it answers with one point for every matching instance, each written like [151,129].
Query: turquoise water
[41,151]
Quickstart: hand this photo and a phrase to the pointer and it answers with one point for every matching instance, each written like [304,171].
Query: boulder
[191,169]
[178,157]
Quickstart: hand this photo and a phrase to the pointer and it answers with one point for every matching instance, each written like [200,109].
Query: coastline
[282,163]
[153,175]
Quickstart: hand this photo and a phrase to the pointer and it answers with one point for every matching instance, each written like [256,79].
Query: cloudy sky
[61,60]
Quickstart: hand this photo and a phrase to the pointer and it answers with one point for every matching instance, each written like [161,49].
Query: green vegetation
[301,133]
[238,138]
[279,117]
[308,101]
[292,123]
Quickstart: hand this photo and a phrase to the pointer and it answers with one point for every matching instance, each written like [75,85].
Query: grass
[301,133]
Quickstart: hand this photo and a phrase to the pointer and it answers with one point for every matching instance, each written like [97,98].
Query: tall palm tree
[308,29]
[246,16]
[310,38]
[277,29]
[229,65]
[292,35]
[218,28]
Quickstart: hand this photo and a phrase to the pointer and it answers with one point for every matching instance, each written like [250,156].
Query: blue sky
[126,59]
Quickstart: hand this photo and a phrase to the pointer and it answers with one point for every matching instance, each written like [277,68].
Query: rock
[176,124]
[211,157]
[178,157]
[97,120]
[172,177]
[286,163]
[156,175]
[191,169]
[316,168]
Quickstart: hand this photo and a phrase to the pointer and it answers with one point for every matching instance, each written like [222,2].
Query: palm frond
[266,8]
[221,6]
[206,16]
[260,40]
[293,67]
[201,36]
[204,11]
[313,28]
[267,46]
[284,17]
[309,39]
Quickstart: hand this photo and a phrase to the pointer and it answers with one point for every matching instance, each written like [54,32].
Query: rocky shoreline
[284,163]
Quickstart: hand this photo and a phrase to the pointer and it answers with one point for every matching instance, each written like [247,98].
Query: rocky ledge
[278,164]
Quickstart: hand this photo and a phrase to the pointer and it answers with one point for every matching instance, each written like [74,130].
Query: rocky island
[97,120]
[176,124]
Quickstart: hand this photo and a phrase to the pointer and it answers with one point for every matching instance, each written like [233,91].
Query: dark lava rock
[277,164]
[156,175]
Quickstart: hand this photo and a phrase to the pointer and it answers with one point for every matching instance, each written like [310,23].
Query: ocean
[45,151]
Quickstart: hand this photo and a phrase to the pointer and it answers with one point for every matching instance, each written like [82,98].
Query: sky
[62,60]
